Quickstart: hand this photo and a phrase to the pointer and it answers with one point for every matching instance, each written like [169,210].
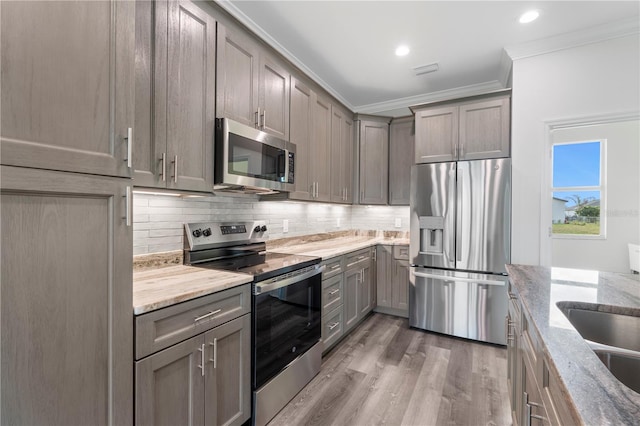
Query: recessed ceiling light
[529,16]
[402,50]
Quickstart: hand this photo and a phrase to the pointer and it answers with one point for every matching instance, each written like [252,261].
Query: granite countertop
[596,395]
[157,288]
[333,247]
[160,279]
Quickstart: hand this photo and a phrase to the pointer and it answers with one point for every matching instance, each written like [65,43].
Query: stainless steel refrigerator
[460,243]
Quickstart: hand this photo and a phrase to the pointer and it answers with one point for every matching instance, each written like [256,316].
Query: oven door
[286,321]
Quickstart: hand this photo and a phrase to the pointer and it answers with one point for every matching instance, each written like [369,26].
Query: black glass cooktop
[263,266]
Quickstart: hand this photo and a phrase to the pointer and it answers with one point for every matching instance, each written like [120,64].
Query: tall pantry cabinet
[67,106]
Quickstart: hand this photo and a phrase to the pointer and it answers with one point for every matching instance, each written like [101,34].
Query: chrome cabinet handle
[215,352]
[211,313]
[128,206]
[163,167]
[264,118]
[129,140]
[201,366]
[331,293]
[334,325]
[257,122]
[175,169]
[529,414]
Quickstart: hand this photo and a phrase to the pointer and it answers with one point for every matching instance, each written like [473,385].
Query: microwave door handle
[286,165]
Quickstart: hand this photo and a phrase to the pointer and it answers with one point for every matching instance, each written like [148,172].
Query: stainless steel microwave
[250,160]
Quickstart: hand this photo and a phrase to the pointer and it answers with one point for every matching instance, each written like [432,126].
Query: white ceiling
[348,46]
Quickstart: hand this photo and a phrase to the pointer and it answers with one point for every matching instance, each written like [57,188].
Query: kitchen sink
[613,337]
[624,366]
[611,329]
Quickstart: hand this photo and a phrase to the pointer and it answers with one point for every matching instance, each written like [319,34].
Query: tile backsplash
[158,219]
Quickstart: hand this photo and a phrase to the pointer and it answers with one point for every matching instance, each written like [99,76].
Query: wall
[622,210]
[158,219]
[590,80]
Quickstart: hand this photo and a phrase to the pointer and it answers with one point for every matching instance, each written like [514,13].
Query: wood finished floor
[385,373]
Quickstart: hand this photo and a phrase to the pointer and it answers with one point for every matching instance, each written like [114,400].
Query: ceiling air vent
[426,69]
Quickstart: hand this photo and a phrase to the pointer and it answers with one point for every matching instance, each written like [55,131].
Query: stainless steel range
[286,307]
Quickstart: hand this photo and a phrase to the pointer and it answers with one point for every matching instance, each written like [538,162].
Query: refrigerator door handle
[459,208]
[458,279]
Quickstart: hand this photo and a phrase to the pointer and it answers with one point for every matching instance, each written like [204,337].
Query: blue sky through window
[576,164]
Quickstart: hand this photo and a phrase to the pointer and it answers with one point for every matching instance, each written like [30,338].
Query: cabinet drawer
[358,258]
[332,327]
[401,252]
[332,267]
[165,327]
[332,290]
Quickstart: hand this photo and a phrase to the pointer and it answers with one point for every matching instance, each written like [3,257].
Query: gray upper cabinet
[463,131]
[253,86]
[175,95]
[300,134]
[66,306]
[401,156]
[341,156]
[320,152]
[67,85]
[374,161]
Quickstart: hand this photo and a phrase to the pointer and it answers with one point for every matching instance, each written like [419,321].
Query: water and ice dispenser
[431,234]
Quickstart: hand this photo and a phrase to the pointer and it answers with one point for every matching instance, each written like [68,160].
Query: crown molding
[233,10]
[458,92]
[608,31]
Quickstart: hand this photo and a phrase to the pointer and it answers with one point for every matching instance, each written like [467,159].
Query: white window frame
[602,188]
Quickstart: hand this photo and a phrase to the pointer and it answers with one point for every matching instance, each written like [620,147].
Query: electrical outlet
[285,226]
[398,223]
[338,223]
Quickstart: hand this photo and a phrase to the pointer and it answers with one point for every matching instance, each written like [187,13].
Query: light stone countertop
[333,247]
[159,280]
[158,288]
[595,394]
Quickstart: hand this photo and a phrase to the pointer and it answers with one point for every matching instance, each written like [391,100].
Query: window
[578,189]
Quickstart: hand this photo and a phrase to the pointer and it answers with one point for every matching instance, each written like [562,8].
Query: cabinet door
[321,148]
[170,385]
[301,103]
[341,155]
[190,97]
[228,373]
[352,280]
[274,97]
[400,287]
[374,163]
[149,149]
[66,306]
[67,85]
[401,157]
[436,135]
[484,129]
[365,299]
[384,264]
[237,76]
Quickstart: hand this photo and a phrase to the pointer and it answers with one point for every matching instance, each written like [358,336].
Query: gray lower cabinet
[205,379]
[67,334]
[373,148]
[67,85]
[401,156]
[358,283]
[392,268]
[175,95]
[332,302]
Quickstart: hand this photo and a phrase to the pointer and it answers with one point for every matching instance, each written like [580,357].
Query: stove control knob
[263,228]
[207,232]
[256,229]
[197,233]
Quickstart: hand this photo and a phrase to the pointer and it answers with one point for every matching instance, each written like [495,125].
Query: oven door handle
[270,286]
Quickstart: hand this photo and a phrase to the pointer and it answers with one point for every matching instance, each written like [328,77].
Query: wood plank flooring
[385,373]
